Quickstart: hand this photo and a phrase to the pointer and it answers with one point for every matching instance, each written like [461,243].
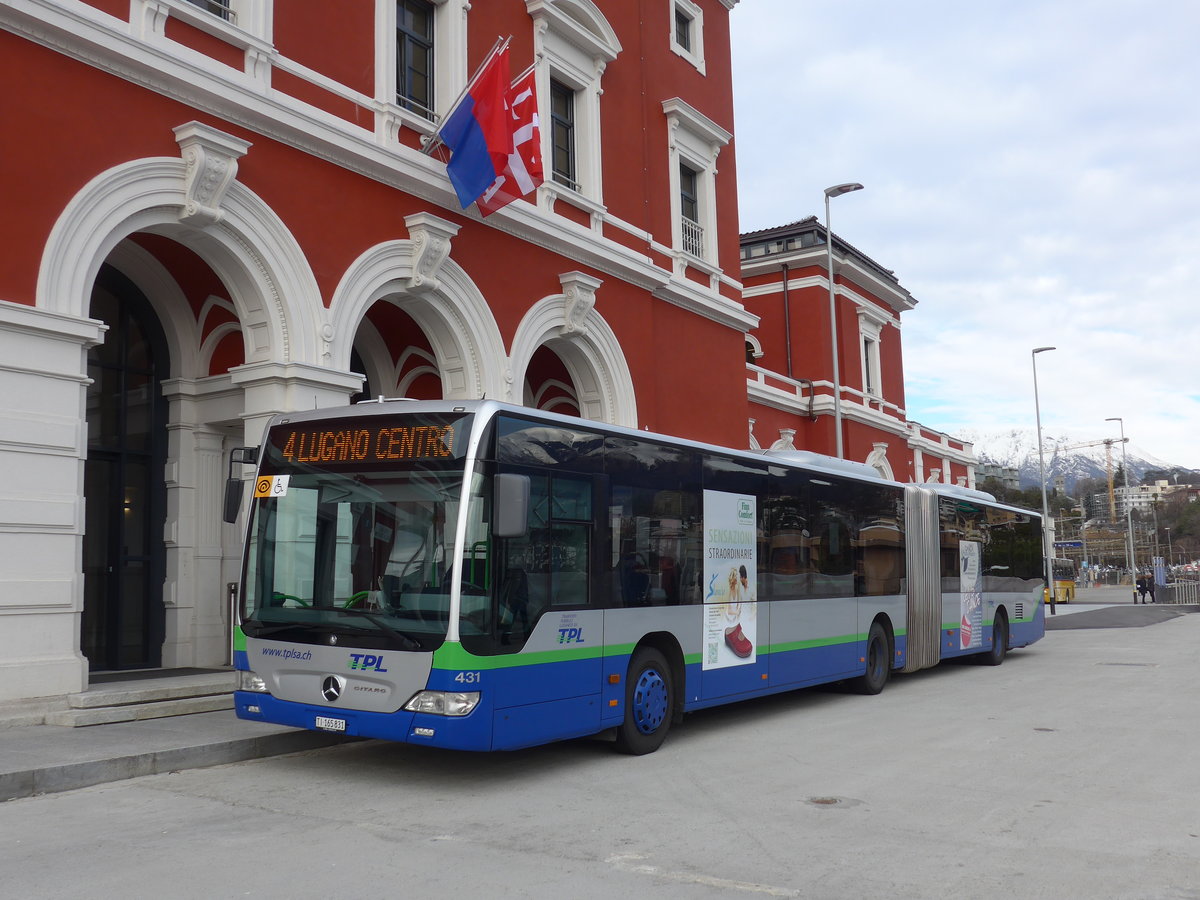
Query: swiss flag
[524,171]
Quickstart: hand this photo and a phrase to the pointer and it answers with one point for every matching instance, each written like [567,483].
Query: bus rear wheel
[879,661]
[649,703]
[996,655]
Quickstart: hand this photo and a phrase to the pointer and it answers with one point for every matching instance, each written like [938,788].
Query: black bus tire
[878,660]
[649,703]
[995,656]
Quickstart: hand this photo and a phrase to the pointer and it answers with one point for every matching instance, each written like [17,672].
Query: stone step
[77,716]
[151,690]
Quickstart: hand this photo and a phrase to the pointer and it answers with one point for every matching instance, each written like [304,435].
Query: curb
[71,776]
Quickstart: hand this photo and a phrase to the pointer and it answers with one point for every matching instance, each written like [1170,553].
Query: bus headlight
[443,703]
[249,681]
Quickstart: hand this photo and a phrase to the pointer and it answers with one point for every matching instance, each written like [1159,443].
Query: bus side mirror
[510,505]
[238,456]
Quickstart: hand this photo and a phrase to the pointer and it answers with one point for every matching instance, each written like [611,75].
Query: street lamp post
[1037,408]
[836,191]
[1170,552]
[1130,556]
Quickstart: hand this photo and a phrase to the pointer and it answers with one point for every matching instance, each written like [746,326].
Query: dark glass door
[124,488]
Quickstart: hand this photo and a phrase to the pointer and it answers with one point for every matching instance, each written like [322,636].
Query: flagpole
[434,141]
[532,66]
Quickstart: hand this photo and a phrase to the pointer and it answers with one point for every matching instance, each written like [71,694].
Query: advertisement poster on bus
[730,586]
[970,586]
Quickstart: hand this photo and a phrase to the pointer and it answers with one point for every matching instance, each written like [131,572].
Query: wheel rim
[649,701]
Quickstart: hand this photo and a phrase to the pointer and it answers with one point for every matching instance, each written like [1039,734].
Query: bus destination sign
[379,443]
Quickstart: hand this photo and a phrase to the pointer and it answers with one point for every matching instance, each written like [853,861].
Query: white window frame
[696,140]
[250,30]
[695,53]
[449,62]
[573,44]
[254,17]
[870,332]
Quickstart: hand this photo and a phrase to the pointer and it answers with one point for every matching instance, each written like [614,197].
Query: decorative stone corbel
[786,440]
[580,291]
[211,157]
[431,238]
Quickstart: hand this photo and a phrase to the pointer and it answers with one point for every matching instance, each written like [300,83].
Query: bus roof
[487,409]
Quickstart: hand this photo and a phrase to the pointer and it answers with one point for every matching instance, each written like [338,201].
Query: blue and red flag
[479,131]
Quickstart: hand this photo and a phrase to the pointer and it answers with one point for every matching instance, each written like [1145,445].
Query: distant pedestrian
[1150,588]
[1141,590]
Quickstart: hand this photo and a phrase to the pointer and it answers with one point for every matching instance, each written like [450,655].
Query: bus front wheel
[649,703]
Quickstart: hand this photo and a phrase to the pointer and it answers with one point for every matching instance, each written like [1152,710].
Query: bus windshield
[357,553]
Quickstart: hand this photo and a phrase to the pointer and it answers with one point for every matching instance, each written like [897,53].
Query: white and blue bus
[482,576]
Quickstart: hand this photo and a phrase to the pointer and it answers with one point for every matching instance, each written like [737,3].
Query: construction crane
[1108,445]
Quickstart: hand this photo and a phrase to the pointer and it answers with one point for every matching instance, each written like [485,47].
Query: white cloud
[1031,173]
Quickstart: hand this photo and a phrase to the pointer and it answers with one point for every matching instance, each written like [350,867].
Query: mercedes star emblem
[331,688]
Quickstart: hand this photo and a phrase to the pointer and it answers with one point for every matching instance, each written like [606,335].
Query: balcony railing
[693,237]
[218,8]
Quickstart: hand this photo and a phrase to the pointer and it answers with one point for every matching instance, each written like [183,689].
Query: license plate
[324,723]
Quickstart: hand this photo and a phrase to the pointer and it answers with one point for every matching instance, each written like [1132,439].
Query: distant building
[1007,476]
[1143,497]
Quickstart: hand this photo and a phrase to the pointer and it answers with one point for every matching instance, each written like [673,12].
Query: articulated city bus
[482,576]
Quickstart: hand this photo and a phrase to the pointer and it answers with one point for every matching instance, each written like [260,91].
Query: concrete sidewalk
[42,759]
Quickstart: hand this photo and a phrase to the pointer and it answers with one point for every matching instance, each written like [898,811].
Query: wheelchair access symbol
[271,485]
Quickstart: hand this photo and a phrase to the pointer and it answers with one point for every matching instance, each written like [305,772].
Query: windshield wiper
[264,630]
[378,622]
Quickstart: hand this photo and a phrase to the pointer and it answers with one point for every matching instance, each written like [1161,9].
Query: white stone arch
[442,300]
[153,279]
[249,249]
[588,348]
[878,460]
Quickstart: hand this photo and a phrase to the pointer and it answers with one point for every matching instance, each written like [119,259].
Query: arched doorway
[124,487]
[548,384]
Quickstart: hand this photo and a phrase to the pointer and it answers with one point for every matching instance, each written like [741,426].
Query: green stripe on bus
[239,639]
[453,657]
[815,642]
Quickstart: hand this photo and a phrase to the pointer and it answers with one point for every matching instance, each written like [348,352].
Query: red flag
[524,170]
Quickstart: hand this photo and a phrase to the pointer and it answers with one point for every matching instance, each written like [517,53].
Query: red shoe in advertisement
[738,642]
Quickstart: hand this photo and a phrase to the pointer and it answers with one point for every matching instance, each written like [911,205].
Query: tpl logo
[570,636]
[362,662]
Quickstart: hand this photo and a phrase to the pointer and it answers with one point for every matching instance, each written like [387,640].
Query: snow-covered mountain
[1018,449]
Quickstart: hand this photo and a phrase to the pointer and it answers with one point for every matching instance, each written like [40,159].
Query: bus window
[881,556]
[656,538]
[655,518]
[548,565]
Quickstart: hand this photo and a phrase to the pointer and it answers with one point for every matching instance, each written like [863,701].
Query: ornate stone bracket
[431,238]
[580,291]
[786,439]
[211,157]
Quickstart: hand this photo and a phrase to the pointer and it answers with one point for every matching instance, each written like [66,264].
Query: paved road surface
[1069,772]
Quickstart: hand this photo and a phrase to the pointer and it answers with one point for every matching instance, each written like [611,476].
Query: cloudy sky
[1032,173]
